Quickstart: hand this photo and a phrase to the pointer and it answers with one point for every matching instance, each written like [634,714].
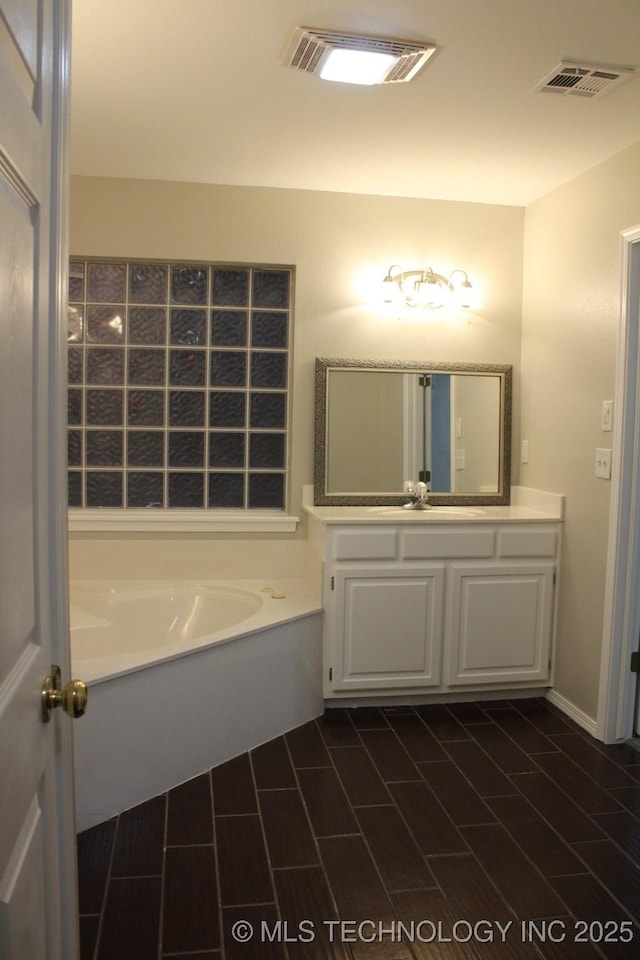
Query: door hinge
[635,661]
[330,673]
[424,380]
[555,577]
[333,583]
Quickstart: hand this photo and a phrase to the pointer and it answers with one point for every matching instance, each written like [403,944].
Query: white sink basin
[439,512]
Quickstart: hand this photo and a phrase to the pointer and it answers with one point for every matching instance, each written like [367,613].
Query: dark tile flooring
[459,832]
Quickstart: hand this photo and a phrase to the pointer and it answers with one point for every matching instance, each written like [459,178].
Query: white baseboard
[584,721]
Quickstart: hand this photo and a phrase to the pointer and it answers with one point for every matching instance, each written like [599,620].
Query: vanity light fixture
[355,58]
[426,288]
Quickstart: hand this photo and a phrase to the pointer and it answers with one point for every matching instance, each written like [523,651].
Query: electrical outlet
[603,463]
[460,459]
[524,452]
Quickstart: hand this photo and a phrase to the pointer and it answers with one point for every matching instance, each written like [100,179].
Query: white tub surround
[138,556]
[439,603]
[152,729]
[105,520]
[178,698]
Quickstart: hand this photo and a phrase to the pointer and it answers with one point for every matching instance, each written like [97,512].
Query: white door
[38,916]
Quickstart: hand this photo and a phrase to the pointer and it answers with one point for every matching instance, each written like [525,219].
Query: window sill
[182,521]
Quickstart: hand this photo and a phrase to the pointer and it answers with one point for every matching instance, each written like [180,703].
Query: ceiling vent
[309,48]
[571,78]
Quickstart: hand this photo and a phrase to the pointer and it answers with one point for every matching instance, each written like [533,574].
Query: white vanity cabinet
[428,606]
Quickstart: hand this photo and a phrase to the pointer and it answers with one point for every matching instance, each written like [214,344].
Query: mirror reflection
[379,424]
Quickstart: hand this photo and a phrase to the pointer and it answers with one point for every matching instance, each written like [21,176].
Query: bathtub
[183,675]
[117,626]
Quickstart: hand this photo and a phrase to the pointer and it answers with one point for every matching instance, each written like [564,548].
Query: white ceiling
[194,90]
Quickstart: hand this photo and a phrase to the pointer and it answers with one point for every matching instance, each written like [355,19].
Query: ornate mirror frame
[324,366]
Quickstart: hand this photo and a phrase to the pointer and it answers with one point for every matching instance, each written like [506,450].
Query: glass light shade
[432,293]
[463,294]
[391,292]
[356,66]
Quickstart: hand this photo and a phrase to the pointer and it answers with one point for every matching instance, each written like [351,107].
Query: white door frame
[621,625]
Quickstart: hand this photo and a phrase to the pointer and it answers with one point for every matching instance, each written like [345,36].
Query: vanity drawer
[465,542]
[527,541]
[366,543]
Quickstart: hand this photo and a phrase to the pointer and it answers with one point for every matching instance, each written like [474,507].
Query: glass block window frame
[178,384]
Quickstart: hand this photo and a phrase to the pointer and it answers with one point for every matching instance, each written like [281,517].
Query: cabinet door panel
[388,628]
[500,620]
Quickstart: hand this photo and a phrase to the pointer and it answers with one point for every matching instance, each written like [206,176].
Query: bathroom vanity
[453,600]
[449,601]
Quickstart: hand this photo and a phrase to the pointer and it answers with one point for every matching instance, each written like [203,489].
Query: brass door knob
[72,697]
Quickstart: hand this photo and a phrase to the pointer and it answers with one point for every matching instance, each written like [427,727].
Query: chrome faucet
[418,495]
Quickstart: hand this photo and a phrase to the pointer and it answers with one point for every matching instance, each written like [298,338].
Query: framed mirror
[379,423]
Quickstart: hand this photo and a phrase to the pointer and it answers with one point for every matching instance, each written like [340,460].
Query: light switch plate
[607,415]
[603,463]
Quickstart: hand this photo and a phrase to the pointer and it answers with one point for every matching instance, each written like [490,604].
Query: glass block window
[178,384]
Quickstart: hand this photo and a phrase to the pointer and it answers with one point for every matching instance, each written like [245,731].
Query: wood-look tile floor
[459,832]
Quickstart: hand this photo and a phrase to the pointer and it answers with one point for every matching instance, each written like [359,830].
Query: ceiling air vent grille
[308,46]
[582,79]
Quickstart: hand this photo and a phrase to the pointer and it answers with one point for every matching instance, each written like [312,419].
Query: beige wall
[568,300]
[340,244]
[570,318]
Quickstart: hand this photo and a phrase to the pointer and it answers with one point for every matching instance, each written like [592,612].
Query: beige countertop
[527,506]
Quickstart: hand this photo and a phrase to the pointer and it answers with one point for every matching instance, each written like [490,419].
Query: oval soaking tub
[182,676]
[120,625]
